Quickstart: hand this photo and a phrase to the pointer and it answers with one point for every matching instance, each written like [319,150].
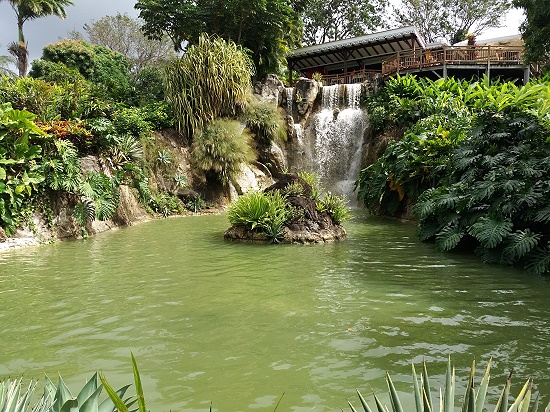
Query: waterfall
[336,139]
[289,95]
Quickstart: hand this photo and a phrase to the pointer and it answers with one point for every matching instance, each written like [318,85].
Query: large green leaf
[491,231]
[449,237]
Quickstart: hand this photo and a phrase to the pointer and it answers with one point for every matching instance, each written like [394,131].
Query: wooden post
[489,62]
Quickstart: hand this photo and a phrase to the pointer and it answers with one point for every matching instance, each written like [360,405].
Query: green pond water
[239,324]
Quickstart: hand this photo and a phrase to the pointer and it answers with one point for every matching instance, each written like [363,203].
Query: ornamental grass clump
[220,148]
[211,80]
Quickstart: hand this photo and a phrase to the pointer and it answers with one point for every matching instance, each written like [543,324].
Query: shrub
[129,120]
[264,212]
[264,120]
[220,149]
[211,80]
[498,195]
[335,206]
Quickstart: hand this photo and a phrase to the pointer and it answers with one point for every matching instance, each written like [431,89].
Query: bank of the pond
[239,324]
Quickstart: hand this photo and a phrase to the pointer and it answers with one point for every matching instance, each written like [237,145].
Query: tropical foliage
[268,212]
[211,80]
[498,197]
[535,30]
[264,212]
[475,157]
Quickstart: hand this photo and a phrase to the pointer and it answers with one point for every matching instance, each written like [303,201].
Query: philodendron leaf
[2,173]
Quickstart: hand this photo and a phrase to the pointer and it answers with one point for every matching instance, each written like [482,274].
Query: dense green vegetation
[474,158]
[84,99]
[71,109]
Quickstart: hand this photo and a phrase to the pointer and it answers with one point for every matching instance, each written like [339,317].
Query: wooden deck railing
[357,76]
[466,55]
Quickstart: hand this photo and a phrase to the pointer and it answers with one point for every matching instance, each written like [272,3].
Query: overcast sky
[41,32]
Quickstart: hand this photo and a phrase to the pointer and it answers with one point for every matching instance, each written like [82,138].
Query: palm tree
[30,10]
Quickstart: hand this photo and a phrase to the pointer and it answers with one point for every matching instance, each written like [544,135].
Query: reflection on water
[239,324]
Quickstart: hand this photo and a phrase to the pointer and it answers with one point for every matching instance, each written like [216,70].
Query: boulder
[270,89]
[306,93]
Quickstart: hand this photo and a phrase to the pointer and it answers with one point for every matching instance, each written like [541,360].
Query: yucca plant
[116,396]
[473,398]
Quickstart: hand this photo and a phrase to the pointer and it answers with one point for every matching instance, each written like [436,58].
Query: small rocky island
[290,211]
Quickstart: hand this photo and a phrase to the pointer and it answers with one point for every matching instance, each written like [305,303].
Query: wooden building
[404,51]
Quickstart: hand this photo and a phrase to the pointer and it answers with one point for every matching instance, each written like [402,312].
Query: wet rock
[306,93]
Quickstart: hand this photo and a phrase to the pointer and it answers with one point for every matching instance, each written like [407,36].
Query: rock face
[307,91]
[270,89]
[308,225]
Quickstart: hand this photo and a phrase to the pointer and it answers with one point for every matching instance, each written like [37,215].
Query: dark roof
[368,49]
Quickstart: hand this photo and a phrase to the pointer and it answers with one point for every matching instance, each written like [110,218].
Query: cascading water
[336,136]
[289,95]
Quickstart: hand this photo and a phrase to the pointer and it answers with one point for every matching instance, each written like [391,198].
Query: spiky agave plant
[473,400]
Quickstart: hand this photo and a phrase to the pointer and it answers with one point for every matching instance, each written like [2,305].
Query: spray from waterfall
[337,133]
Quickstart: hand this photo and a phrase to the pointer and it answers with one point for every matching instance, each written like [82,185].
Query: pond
[241,324]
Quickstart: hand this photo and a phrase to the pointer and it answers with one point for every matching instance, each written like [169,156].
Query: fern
[448,238]
[490,232]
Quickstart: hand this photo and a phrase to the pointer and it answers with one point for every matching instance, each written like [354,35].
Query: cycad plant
[473,399]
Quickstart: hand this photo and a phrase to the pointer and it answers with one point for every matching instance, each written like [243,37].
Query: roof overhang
[368,49]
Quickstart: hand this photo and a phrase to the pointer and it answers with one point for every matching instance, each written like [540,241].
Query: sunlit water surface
[241,324]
